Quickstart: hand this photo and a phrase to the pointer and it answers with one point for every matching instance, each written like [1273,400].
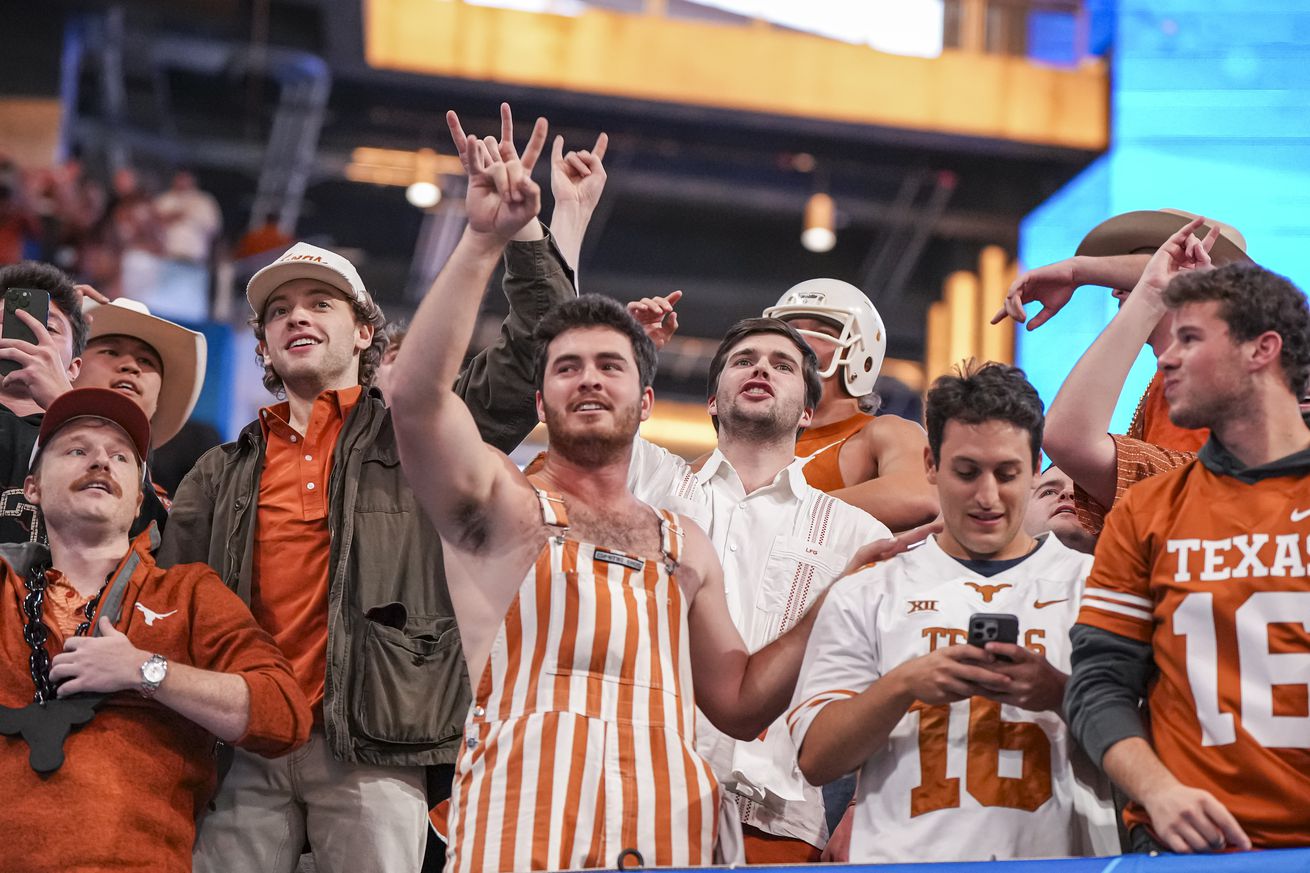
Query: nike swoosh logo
[1042,604]
[1300,515]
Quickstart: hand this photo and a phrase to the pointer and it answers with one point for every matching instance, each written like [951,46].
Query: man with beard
[781,541]
[1199,601]
[159,365]
[309,517]
[586,616]
[1051,509]
[89,626]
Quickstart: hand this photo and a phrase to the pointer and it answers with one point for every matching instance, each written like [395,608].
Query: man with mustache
[157,364]
[125,349]
[586,615]
[308,516]
[89,626]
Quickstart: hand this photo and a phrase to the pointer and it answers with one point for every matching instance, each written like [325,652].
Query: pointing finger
[602,143]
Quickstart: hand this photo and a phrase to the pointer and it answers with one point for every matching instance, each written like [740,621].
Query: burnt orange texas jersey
[1211,571]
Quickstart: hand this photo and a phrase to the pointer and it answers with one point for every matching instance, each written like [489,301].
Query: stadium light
[820,227]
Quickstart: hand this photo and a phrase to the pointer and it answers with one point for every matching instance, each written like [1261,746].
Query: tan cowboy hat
[182,352]
[1147,229]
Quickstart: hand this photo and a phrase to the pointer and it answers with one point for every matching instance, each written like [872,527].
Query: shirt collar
[342,401]
[793,475]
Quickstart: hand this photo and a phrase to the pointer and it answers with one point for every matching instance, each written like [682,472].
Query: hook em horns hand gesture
[502,198]
[1181,253]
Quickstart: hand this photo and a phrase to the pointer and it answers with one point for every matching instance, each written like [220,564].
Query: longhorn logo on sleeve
[151,615]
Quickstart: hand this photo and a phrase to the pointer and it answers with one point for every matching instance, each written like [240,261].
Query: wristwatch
[153,672]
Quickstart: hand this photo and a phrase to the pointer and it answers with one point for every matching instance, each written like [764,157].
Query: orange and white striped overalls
[579,743]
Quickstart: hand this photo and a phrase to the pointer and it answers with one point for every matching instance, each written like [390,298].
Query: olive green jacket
[396,690]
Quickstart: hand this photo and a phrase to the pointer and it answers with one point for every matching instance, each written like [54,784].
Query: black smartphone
[35,303]
[993,627]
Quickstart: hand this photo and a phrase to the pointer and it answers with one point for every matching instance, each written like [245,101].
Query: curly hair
[984,392]
[59,285]
[367,312]
[1253,300]
[751,327]
[594,310]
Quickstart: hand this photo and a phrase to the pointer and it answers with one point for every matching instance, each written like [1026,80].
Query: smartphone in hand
[993,627]
[35,303]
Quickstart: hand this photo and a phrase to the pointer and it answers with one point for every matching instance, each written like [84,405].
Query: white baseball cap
[304,261]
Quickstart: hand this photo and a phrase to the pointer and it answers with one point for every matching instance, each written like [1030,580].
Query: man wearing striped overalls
[586,616]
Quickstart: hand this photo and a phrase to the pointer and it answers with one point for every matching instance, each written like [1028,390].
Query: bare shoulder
[892,433]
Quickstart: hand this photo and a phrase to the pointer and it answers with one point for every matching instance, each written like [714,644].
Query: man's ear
[1265,349]
[647,402]
[929,468]
[32,490]
[74,368]
[712,405]
[807,416]
[541,408]
[364,335]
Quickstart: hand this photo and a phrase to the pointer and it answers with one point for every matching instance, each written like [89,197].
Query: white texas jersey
[973,780]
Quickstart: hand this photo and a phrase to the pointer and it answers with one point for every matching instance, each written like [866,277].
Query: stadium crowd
[360,632]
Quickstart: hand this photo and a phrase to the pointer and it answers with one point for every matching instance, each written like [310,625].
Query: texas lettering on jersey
[974,779]
[1211,572]
[1244,556]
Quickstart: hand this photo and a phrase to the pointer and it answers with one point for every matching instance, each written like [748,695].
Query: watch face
[154,670]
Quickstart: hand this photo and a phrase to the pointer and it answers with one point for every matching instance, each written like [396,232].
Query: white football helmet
[862,343]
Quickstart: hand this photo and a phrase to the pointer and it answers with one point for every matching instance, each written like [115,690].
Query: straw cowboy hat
[181,351]
[1147,229]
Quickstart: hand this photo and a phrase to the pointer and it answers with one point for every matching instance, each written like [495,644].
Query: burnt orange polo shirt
[65,608]
[289,585]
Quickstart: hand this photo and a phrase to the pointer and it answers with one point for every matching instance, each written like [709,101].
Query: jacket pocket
[410,685]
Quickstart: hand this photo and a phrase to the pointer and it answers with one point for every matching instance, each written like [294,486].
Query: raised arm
[1053,285]
[1078,421]
[576,182]
[498,383]
[455,476]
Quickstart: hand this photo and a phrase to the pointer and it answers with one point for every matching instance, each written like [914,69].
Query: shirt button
[309,457]
[471,742]
[741,505]
[478,712]
[310,486]
[732,548]
[295,439]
